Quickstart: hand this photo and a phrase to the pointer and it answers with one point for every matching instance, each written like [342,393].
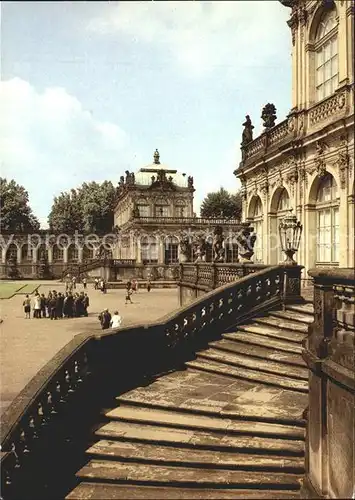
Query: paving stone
[102,491]
[159,474]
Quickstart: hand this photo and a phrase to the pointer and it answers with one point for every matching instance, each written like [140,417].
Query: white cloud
[202,35]
[50,143]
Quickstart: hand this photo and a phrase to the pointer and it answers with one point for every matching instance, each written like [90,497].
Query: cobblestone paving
[26,345]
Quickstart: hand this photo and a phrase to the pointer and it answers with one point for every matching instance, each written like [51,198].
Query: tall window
[171,250]
[327,221]
[58,253]
[143,210]
[258,229]
[161,211]
[326,48]
[26,252]
[283,207]
[149,250]
[73,253]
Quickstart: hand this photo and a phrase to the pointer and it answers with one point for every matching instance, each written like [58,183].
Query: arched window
[326,48]
[26,253]
[88,252]
[149,250]
[143,210]
[11,252]
[327,207]
[283,207]
[171,250]
[42,251]
[258,230]
[73,253]
[58,253]
[231,247]
[162,208]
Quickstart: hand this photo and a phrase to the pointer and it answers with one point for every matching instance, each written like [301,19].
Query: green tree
[86,209]
[15,212]
[222,204]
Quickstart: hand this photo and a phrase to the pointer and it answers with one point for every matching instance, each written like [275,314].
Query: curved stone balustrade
[330,355]
[45,421]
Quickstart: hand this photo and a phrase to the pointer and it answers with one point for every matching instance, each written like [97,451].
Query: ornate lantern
[290,230]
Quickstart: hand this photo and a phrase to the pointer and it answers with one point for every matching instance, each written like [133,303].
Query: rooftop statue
[248,131]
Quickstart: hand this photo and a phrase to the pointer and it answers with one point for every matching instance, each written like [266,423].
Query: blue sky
[90,89]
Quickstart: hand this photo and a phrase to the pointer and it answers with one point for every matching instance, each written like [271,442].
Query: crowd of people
[56,305]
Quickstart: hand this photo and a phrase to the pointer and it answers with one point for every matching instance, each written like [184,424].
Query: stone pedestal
[292,284]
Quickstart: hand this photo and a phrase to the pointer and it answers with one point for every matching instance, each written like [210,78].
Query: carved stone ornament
[342,163]
[279,180]
[268,115]
[292,178]
[291,123]
[264,187]
[293,24]
[254,189]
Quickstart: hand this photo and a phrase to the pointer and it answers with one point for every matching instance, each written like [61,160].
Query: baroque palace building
[305,163]
[155,228]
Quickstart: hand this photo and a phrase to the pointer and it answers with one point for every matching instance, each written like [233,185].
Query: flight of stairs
[228,426]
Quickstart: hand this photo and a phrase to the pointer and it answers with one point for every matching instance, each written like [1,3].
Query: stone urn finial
[268,115]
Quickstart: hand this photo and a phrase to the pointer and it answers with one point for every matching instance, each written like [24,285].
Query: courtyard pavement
[27,345]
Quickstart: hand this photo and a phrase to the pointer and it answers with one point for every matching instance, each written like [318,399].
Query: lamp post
[290,230]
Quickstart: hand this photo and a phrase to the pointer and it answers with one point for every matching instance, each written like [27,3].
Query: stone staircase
[230,425]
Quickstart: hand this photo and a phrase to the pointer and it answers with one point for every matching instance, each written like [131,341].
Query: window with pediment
[326,55]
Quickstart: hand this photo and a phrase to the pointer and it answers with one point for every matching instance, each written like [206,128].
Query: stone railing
[48,426]
[188,221]
[330,356]
[122,262]
[327,108]
[209,276]
[267,139]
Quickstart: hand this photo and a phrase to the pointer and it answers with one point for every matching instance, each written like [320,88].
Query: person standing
[96,283]
[43,305]
[37,306]
[86,303]
[116,320]
[149,285]
[105,319]
[27,307]
[128,296]
[74,282]
[84,283]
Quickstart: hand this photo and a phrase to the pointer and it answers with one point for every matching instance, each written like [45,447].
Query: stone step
[301,308]
[248,337]
[265,353]
[106,491]
[181,420]
[283,324]
[169,455]
[138,473]
[246,374]
[265,366]
[196,439]
[270,412]
[269,331]
[293,316]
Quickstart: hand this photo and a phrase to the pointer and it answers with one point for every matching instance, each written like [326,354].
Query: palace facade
[306,162]
[155,228]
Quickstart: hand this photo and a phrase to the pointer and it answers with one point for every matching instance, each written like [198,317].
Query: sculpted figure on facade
[190,181]
[268,115]
[200,250]
[247,132]
[246,240]
[185,253]
[342,163]
[218,245]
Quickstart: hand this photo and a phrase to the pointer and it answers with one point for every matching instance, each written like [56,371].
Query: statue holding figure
[246,240]
[185,253]
[200,250]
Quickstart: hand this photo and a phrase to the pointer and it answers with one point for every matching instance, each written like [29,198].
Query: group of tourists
[56,305]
